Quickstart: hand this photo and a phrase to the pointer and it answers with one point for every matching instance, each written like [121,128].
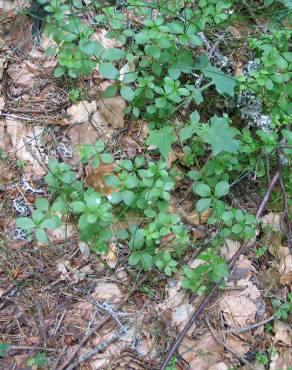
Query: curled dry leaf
[23,74]
[95,178]
[273,220]
[285,268]
[111,257]
[197,219]
[84,249]
[80,112]
[201,353]
[108,292]
[282,333]
[64,232]
[229,249]
[113,110]
[2,104]
[23,142]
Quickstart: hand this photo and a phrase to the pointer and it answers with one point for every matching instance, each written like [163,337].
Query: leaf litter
[69,289]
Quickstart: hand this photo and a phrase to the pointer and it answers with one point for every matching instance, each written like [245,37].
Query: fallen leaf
[2,104]
[95,178]
[63,232]
[84,249]
[3,64]
[100,35]
[239,346]
[201,353]
[282,333]
[219,366]
[80,112]
[285,267]
[108,292]
[284,359]
[196,219]
[229,248]
[111,257]
[23,74]
[113,110]
[273,220]
[25,140]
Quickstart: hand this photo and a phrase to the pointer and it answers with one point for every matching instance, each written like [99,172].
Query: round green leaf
[107,158]
[128,197]
[221,189]
[42,204]
[203,204]
[127,93]
[113,54]
[41,236]
[25,223]
[110,91]
[112,181]
[202,189]
[107,70]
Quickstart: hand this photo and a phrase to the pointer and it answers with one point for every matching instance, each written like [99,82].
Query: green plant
[260,252]
[40,359]
[262,358]
[3,349]
[283,308]
[75,94]
[165,263]
[20,164]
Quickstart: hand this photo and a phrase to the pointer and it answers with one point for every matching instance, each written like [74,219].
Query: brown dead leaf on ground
[95,178]
[273,220]
[24,140]
[113,110]
[108,292]
[2,104]
[229,248]
[285,267]
[282,333]
[283,360]
[111,257]
[201,353]
[196,219]
[23,75]
[64,232]
[3,64]
[240,346]
[100,35]
[80,112]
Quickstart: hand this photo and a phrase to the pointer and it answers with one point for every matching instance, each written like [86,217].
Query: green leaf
[110,91]
[78,206]
[25,223]
[203,204]
[152,51]
[112,181]
[42,204]
[128,197]
[127,93]
[90,47]
[107,70]
[107,158]
[219,135]
[59,72]
[131,182]
[113,54]
[162,139]
[41,236]
[202,189]
[221,189]
[51,223]
[3,349]
[137,239]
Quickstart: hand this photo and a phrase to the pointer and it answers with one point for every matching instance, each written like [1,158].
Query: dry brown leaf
[80,112]
[202,352]
[84,249]
[64,232]
[229,249]
[273,220]
[282,333]
[22,138]
[95,178]
[2,104]
[13,4]
[196,219]
[3,64]
[113,110]
[284,360]
[23,74]
[6,174]
[239,346]
[219,366]
[100,35]
[239,306]
[111,257]
[107,292]
[285,268]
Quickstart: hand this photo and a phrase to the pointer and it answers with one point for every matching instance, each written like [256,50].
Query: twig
[28,348]
[286,214]
[215,287]
[249,327]
[225,345]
